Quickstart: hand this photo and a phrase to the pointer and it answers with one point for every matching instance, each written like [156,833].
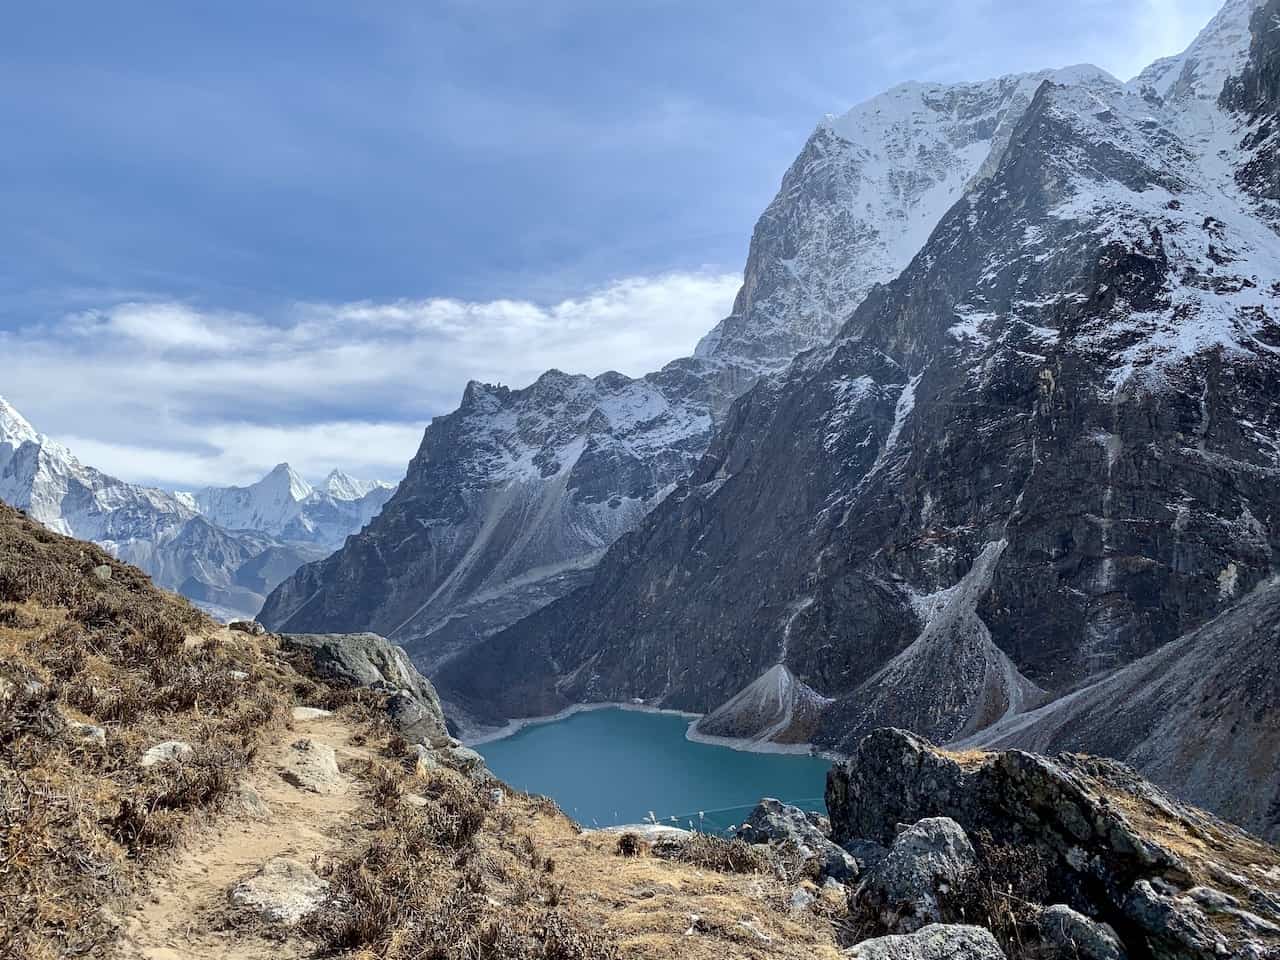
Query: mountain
[225,548]
[513,498]
[1047,448]
[1201,714]
[284,505]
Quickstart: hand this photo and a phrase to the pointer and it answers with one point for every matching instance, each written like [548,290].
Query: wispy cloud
[168,392]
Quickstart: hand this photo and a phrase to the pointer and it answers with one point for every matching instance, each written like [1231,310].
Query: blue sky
[189,188]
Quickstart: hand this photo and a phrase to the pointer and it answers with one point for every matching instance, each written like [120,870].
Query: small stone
[801,900]
[414,800]
[90,732]
[424,760]
[239,675]
[497,797]
[284,892]
[102,572]
[252,803]
[303,714]
[170,750]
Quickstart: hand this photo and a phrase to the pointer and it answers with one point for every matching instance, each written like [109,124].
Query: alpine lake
[611,766]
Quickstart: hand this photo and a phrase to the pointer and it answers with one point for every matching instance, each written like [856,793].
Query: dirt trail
[186,913]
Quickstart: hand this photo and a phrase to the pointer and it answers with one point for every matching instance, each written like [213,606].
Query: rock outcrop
[774,822]
[1105,860]
[368,660]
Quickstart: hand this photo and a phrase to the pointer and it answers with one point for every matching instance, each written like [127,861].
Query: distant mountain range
[223,547]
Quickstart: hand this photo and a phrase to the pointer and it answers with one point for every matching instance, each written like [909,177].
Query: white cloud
[168,393]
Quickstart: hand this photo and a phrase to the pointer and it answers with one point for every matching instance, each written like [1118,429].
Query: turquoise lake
[611,766]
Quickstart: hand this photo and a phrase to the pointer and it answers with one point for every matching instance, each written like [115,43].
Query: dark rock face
[1114,849]
[1046,449]
[368,660]
[1200,716]
[513,498]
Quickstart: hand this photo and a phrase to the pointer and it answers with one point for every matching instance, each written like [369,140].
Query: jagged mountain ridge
[469,546]
[1076,373]
[226,569]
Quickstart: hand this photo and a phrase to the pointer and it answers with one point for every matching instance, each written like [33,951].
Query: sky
[247,232]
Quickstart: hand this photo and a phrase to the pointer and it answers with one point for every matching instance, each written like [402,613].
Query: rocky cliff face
[224,548]
[1047,448]
[512,499]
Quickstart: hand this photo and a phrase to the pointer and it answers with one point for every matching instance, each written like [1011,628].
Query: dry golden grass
[79,819]
[463,876]
[428,865]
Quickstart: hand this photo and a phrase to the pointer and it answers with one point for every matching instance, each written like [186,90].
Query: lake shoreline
[741,744]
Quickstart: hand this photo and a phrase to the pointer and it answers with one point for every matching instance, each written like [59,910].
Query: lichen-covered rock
[368,660]
[284,892]
[1074,935]
[251,627]
[1170,880]
[922,880]
[937,941]
[313,766]
[777,822]
[168,751]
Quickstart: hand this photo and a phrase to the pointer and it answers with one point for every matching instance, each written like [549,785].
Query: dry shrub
[715,853]
[630,845]
[79,821]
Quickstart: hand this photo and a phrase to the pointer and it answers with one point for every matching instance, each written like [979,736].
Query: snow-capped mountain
[226,569]
[1048,447]
[471,544]
[282,504]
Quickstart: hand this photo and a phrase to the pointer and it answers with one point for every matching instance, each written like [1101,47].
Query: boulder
[1074,935]
[102,572]
[1083,832]
[303,714]
[1175,926]
[169,751]
[938,941]
[251,803]
[368,660]
[922,880]
[313,766]
[773,821]
[251,627]
[284,892]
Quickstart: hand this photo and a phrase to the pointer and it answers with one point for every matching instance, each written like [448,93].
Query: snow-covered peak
[1219,51]
[282,477]
[14,428]
[343,486]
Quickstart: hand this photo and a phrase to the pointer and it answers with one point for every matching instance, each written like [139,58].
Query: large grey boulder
[773,821]
[938,941]
[922,880]
[368,660]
